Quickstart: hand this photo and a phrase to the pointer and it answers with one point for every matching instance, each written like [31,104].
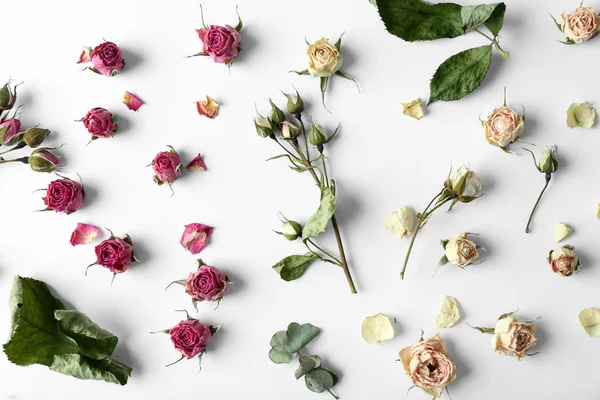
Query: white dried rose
[400,222]
[465,183]
[324,59]
[564,260]
[581,114]
[503,126]
[581,25]
[513,337]
[461,251]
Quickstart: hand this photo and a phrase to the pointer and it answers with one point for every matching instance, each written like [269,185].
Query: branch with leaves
[289,133]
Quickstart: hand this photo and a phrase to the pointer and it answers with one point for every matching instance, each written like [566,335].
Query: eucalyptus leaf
[414,20]
[473,16]
[307,364]
[285,344]
[292,267]
[93,341]
[280,356]
[317,223]
[460,74]
[320,379]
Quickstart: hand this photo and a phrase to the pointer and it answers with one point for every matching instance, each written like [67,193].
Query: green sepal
[506,315]
[303,72]
[443,260]
[489,331]
[559,26]
[323,86]
[444,243]
[348,77]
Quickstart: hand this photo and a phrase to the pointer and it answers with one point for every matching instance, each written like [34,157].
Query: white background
[381,160]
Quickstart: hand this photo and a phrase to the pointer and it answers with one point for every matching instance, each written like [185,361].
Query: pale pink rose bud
[167,166]
[209,108]
[190,337]
[107,59]
[197,164]
[132,101]
[100,123]
[42,160]
[9,130]
[207,283]
[64,195]
[84,234]
[195,236]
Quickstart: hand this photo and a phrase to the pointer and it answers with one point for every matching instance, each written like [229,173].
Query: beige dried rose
[513,337]
[428,365]
[581,25]
[564,260]
[324,59]
[460,250]
[413,109]
[503,126]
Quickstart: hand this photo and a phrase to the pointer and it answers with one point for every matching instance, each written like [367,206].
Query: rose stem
[504,54]
[333,394]
[420,223]
[323,251]
[121,366]
[548,177]
[336,229]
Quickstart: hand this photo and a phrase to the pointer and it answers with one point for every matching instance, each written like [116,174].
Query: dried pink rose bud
[42,160]
[167,166]
[107,59]
[9,130]
[100,123]
[132,101]
[208,108]
[207,283]
[195,236]
[84,234]
[197,164]
[190,337]
[115,254]
[64,195]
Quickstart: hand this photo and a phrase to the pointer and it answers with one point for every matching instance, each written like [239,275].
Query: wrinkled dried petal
[208,108]
[197,164]
[449,314]
[132,101]
[413,109]
[84,234]
[581,114]
[377,328]
[590,321]
[562,231]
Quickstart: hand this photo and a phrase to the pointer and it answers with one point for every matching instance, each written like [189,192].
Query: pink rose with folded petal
[115,253]
[84,234]
[100,123]
[64,195]
[221,43]
[132,101]
[206,284]
[190,337]
[107,59]
[8,129]
[167,166]
[195,236]
[197,164]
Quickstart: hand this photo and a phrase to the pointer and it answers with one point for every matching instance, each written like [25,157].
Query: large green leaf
[292,267]
[93,341]
[460,74]
[35,337]
[82,367]
[495,22]
[285,344]
[414,20]
[317,223]
[473,16]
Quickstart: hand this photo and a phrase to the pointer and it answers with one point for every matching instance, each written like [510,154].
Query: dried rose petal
[132,101]
[84,234]
[85,56]
[208,108]
[197,164]
[194,237]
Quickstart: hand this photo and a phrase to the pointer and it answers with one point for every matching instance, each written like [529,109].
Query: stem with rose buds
[548,177]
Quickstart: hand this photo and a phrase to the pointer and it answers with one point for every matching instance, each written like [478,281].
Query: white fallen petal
[413,109]
[449,314]
[377,328]
[581,114]
[590,321]
[562,231]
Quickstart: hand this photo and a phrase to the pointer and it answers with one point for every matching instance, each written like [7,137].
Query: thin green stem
[548,177]
[305,137]
[325,171]
[7,161]
[286,150]
[323,251]
[505,54]
[333,394]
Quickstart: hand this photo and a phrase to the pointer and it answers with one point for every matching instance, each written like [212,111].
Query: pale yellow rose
[513,337]
[503,126]
[581,25]
[323,58]
[428,365]
[461,251]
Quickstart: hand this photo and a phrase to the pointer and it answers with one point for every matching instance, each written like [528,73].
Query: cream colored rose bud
[562,231]
[400,222]
[581,25]
[581,114]
[564,261]
[513,337]
[324,59]
[461,251]
[413,109]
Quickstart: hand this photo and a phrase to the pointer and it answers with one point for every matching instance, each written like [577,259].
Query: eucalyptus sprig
[547,165]
[290,134]
[285,345]
[459,75]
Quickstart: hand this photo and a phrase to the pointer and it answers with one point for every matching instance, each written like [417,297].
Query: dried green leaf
[589,318]
[292,267]
[93,341]
[449,314]
[377,328]
[82,367]
[317,223]
[285,344]
[473,16]
[307,364]
[460,74]
[495,22]
[320,379]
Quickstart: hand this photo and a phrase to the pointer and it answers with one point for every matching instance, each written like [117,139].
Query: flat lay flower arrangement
[411,242]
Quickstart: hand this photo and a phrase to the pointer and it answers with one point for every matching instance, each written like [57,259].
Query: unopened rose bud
[8,97]
[263,126]
[277,116]
[317,136]
[291,230]
[549,162]
[295,104]
[400,222]
[465,185]
[9,132]
[289,131]
[33,137]
[42,160]
[564,260]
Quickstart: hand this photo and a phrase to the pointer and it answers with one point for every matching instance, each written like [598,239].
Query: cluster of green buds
[463,185]
[548,165]
[12,137]
[266,126]
[291,230]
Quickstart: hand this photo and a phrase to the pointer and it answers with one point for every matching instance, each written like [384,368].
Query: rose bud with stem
[461,186]
[548,165]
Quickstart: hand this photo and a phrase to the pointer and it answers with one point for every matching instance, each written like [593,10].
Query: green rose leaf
[285,344]
[460,74]
[317,223]
[35,337]
[414,20]
[374,2]
[473,16]
[93,341]
[495,22]
[307,364]
[320,379]
[292,267]
[82,367]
